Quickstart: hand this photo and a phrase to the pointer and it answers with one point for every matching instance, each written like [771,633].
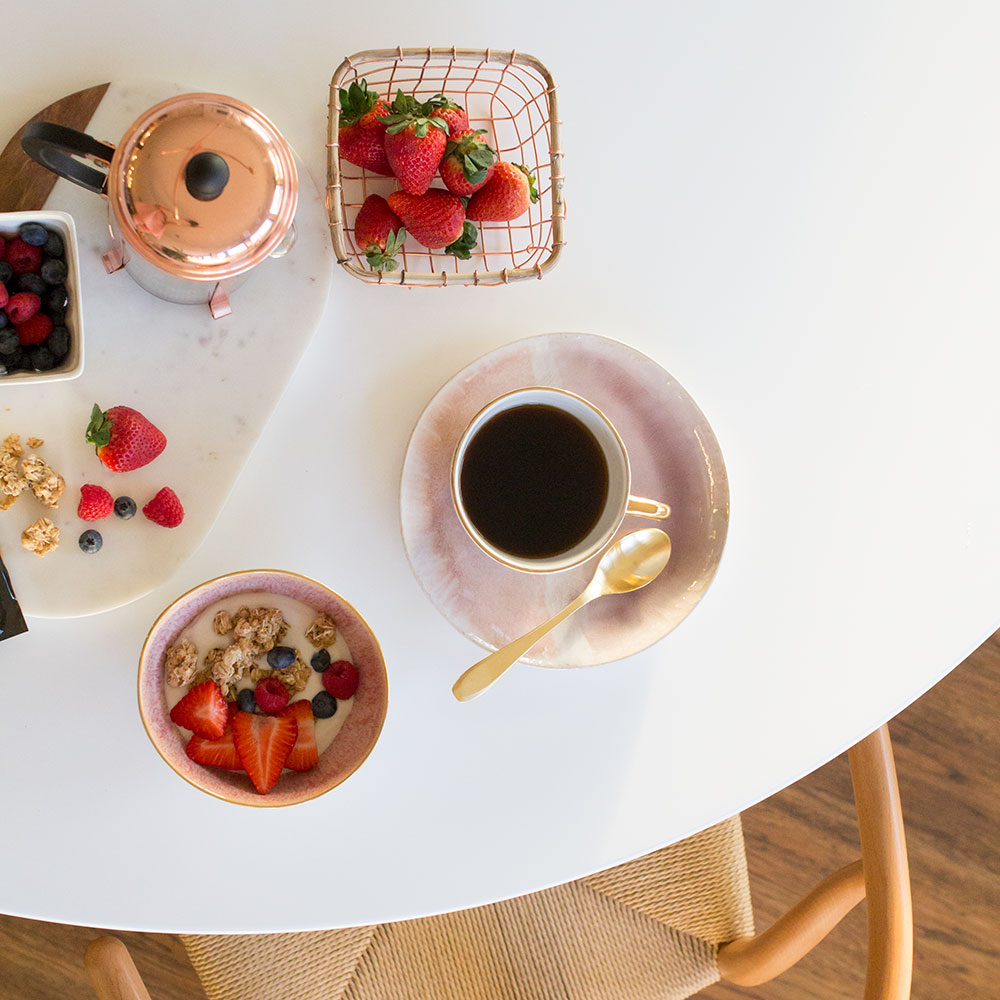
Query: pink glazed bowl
[352,744]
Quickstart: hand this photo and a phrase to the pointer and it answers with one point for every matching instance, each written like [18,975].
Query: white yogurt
[200,633]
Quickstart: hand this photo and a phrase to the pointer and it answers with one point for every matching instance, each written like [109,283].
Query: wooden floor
[947,754]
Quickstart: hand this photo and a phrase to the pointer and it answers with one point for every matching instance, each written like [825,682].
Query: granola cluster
[181,663]
[40,537]
[19,473]
[323,631]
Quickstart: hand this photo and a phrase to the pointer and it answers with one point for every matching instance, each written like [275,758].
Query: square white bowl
[72,365]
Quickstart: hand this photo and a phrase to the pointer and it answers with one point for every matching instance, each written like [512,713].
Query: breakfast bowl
[62,361]
[189,620]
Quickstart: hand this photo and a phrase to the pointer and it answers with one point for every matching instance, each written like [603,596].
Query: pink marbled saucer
[675,458]
[351,745]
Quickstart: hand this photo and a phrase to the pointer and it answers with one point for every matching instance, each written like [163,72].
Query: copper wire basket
[509,94]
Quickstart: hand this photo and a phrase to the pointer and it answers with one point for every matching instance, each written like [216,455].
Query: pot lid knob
[206,176]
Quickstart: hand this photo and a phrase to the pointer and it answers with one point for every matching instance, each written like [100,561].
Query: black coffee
[534,481]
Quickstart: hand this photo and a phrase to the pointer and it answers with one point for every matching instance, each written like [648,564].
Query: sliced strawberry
[305,753]
[263,743]
[215,753]
[202,710]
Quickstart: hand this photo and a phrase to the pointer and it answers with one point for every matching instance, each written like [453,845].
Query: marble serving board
[209,385]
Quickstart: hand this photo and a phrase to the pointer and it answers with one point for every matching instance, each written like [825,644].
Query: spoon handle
[482,674]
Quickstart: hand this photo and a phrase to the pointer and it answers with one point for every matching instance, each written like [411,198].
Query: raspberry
[95,502]
[23,257]
[3,293]
[341,679]
[165,509]
[271,695]
[23,306]
[3,247]
[33,330]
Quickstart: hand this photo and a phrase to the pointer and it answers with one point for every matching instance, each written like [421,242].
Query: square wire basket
[509,94]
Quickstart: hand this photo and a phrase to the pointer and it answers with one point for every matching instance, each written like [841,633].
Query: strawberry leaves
[532,193]
[385,260]
[407,111]
[356,102]
[475,155]
[99,428]
[462,247]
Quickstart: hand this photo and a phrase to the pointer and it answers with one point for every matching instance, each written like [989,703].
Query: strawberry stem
[463,246]
[356,102]
[385,260]
[99,428]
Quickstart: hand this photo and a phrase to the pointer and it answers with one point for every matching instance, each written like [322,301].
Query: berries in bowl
[41,325]
[262,688]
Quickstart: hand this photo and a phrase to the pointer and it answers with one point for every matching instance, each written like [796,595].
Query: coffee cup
[541,480]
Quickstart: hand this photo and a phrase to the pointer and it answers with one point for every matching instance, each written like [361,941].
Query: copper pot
[200,190]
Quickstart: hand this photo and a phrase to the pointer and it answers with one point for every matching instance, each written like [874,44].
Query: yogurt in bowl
[238,631]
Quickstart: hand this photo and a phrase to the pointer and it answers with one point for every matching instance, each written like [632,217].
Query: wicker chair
[659,928]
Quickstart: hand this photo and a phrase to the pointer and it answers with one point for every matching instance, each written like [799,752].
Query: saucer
[675,458]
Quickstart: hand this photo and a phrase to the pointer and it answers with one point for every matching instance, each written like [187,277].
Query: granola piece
[263,626]
[222,623]
[40,537]
[12,478]
[258,673]
[181,663]
[237,659]
[34,442]
[323,631]
[44,481]
[294,677]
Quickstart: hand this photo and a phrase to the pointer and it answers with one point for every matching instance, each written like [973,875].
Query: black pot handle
[55,146]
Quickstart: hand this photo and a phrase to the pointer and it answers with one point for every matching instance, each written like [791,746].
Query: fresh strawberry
[467,163]
[124,438]
[95,502]
[263,743]
[202,710]
[23,257]
[506,196]
[414,143]
[341,679]
[453,114]
[23,306]
[305,753]
[362,128]
[34,330]
[271,695]
[378,231]
[434,219]
[165,509]
[215,753]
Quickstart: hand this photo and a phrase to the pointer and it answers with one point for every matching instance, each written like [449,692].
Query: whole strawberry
[433,219]
[467,163]
[506,195]
[378,231]
[362,128]
[165,509]
[453,114]
[124,438]
[414,143]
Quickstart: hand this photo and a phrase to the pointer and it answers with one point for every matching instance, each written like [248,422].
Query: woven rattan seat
[645,930]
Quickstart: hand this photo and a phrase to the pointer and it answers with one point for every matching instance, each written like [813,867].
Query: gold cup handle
[647,508]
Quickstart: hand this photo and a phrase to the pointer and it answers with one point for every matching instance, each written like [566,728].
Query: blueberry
[53,272]
[324,705]
[33,233]
[3,319]
[58,342]
[41,358]
[31,283]
[6,272]
[280,657]
[91,541]
[124,506]
[320,660]
[53,245]
[55,298]
[245,699]
[11,362]
[9,342]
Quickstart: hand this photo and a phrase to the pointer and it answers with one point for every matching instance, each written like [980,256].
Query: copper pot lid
[204,186]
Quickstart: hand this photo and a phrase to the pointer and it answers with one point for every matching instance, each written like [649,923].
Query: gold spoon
[633,561]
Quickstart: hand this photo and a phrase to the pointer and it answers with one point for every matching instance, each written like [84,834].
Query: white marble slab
[209,385]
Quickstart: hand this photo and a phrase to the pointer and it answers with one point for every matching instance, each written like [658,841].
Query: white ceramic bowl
[72,365]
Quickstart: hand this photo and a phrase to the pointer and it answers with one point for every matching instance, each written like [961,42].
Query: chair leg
[112,972]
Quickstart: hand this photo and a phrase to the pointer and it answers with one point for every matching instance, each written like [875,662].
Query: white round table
[796,215]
